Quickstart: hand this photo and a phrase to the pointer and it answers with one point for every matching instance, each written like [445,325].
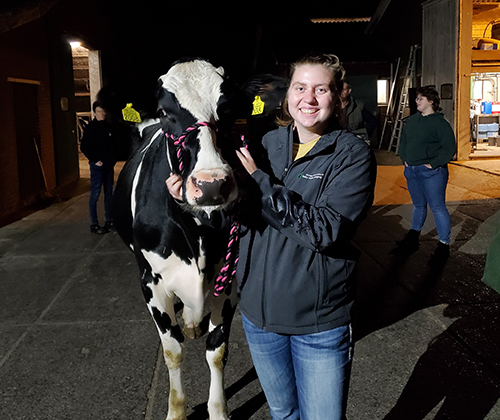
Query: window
[382,91]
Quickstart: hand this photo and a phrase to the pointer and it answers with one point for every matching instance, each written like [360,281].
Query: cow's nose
[213,192]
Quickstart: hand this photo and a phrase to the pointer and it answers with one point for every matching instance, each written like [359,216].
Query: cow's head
[188,99]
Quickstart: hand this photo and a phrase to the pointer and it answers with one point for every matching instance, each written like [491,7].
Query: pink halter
[179,141]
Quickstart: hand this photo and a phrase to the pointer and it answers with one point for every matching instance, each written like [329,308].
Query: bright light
[382,90]
[75,44]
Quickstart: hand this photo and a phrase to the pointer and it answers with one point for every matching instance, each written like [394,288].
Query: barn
[48,86]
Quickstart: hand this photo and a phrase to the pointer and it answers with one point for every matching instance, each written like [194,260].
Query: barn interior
[63,52]
[485,78]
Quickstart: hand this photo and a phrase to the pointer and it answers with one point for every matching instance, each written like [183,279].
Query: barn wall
[439,49]
[23,52]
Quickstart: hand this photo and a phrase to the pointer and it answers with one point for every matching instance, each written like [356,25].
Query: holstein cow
[177,254]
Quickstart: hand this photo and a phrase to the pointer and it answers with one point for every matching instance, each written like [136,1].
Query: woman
[296,267]
[427,145]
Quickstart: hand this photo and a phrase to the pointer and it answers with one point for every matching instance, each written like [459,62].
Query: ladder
[403,100]
[389,113]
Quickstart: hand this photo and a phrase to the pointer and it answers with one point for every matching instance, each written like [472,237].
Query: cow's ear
[159,88]
[220,70]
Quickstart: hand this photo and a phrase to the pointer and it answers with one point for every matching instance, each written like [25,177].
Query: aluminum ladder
[403,100]
[389,113]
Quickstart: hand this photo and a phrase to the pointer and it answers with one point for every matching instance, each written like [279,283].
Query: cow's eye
[162,113]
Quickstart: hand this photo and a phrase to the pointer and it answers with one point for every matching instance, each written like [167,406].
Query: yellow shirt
[302,149]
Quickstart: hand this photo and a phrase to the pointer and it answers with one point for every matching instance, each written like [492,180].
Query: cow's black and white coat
[177,255]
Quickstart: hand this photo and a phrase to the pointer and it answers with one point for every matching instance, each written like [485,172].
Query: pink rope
[224,279]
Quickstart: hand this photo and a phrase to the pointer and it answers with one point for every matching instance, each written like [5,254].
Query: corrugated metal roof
[340,20]
[485,1]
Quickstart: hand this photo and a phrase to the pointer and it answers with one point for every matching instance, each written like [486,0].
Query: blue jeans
[304,377]
[101,177]
[428,186]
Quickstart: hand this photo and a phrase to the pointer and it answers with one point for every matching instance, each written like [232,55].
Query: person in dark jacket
[360,121]
[427,145]
[98,146]
[295,272]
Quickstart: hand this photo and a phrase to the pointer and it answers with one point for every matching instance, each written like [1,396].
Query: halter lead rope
[179,141]
[228,270]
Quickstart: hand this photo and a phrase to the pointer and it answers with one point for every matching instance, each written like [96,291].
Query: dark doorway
[28,140]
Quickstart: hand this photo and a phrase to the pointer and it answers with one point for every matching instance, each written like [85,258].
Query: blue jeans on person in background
[304,377]
[428,186]
[101,177]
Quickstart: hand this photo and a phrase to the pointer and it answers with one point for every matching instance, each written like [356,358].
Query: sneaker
[440,255]
[94,228]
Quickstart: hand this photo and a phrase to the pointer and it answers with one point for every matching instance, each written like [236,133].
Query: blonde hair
[332,63]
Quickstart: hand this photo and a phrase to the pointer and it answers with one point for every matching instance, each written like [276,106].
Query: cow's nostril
[212,192]
[227,187]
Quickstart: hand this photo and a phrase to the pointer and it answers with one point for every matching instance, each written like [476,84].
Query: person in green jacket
[427,145]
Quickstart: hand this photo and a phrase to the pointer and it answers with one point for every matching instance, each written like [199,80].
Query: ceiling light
[340,20]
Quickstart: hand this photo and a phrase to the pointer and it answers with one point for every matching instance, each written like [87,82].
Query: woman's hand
[428,166]
[246,160]
[174,186]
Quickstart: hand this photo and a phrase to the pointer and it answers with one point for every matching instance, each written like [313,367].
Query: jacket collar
[326,140]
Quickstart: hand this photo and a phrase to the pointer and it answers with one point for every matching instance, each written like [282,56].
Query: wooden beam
[381,8]
[462,110]
[24,81]
[20,15]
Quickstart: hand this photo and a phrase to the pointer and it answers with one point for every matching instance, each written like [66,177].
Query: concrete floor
[78,342]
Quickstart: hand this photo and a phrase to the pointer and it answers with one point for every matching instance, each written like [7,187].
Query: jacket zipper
[264,302]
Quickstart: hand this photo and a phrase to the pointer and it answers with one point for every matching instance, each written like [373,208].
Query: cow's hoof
[191,333]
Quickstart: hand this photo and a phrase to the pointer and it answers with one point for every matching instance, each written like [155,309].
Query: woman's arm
[342,205]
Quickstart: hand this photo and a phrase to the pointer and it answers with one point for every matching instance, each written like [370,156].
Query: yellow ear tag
[258,106]
[130,114]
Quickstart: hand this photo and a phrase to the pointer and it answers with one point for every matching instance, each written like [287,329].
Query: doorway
[87,81]
[27,125]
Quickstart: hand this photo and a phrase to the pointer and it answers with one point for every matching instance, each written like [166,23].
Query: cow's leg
[161,307]
[173,353]
[217,349]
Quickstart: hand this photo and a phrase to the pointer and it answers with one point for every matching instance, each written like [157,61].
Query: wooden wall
[439,49]
[24,49]
[446,58]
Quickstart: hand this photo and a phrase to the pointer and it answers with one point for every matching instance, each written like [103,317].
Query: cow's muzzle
[208,188]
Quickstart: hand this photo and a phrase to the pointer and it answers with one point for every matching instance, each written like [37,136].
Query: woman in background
[427,145]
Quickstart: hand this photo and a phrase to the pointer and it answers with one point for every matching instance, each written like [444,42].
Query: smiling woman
[298,217]
[310,101]
[296,263]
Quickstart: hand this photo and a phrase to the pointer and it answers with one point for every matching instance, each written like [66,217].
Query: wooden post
[462,113]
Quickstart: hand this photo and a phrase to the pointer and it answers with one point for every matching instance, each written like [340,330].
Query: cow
[177,252]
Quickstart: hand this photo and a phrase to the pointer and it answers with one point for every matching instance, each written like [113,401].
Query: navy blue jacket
[296,266]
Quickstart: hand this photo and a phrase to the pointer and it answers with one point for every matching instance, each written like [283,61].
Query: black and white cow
[178,256]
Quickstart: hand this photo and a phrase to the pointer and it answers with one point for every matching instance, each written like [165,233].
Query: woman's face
[310,100]
[424,105]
